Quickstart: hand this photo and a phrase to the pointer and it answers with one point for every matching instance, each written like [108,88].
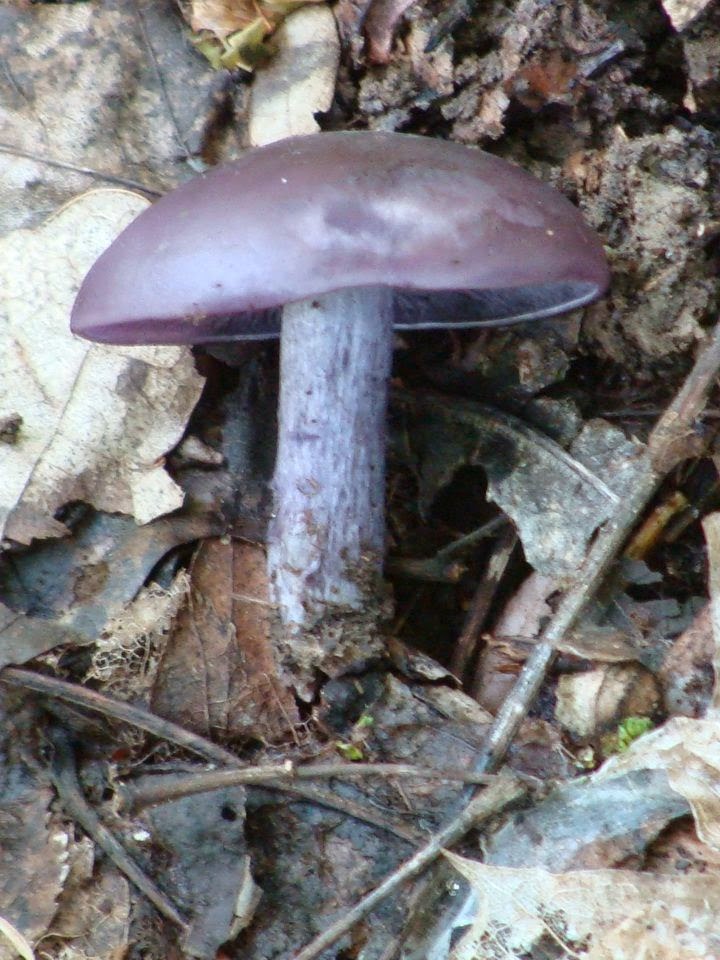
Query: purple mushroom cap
[461,237]
[334,239]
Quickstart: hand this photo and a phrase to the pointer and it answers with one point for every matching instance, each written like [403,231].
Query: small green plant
[630,729]
[365,720]
[626,733]
[349,751]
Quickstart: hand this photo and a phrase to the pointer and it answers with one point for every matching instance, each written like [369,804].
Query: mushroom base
[326,539]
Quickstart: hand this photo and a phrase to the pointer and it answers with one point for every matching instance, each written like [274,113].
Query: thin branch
[467,642]
[443,567]
[173,733]
[118,710]
[362,812]
[277,773]
[672,435]
[667,444]
[492,800]
[64,777]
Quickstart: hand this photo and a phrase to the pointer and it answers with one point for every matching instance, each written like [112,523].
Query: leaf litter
[478,93]
[95,422]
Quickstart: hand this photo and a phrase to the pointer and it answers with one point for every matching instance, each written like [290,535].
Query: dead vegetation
[552,499]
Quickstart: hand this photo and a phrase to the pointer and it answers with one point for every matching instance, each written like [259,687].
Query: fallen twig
[669,443]
[64,778]
[173,733]
[443,567]
[492,800]
[118,710]
[277,773]
[482,600]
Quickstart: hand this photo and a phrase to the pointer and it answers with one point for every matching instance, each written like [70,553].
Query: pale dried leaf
[592,701]
[95,421]
[683,12]
[300,80]
[98,94]
[689,751]
[19,945]
[602,913]
[222,17]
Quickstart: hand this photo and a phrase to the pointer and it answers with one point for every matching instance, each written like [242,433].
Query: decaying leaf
[232,33]
[603,914]
[590,702]
[219,675]
[98,94]
[557,498]
[33,851]
[93,918]
[75,586]
[206,865]
[300,81]
[22,638]
[127,653]
[685,673]
[689,752]
[589,823]
[95,421]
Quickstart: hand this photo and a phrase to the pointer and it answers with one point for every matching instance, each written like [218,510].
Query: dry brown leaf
[95,422]
[218,676]
[231,33]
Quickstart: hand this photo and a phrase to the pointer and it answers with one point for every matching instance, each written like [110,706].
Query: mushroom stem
[325,541]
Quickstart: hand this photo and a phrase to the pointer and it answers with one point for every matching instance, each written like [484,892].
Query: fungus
[330,241]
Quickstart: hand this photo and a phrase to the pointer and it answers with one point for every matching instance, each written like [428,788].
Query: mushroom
[330,241]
